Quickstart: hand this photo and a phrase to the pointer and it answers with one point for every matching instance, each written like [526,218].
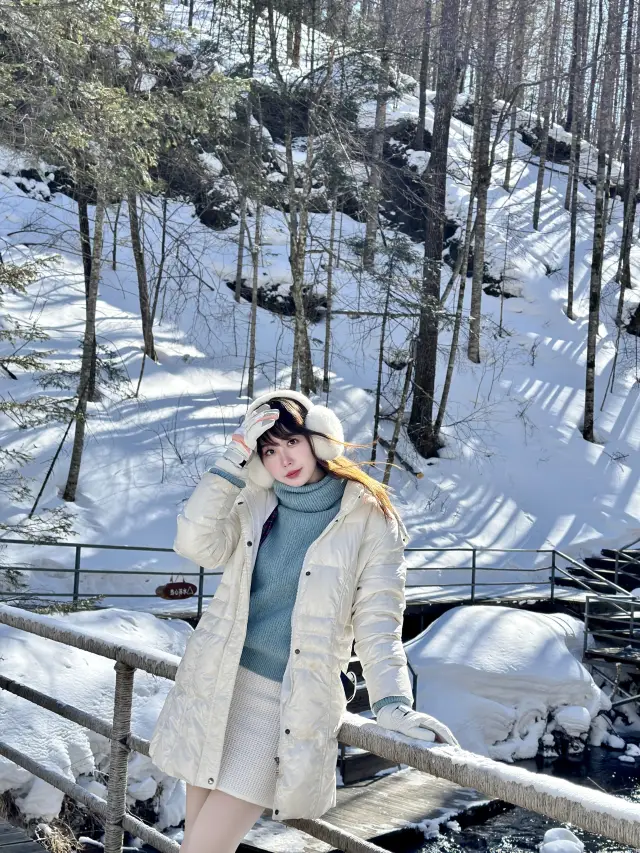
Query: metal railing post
[117,786]
[553,575]
[586,627]
[200,591]
[473,576]
[76,574]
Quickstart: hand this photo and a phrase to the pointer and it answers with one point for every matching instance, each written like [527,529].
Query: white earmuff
[318,418]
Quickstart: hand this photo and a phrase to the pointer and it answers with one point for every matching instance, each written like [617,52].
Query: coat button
[249,542]
[307,573]
[287,731]
[240,502]
[297,651]
[277,811]
[210,780]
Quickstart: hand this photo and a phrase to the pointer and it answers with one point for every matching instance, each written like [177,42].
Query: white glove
[399,717]
[245,437]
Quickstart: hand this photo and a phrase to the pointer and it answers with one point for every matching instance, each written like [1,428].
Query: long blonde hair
[291,420]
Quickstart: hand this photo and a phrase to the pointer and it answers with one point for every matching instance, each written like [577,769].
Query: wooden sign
[176,590]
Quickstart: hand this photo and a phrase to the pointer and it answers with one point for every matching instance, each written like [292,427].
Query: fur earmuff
[318,418]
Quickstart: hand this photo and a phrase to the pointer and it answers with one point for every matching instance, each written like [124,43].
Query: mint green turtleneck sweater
[303,513]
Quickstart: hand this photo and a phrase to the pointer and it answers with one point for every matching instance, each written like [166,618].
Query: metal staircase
[611,612]
[613,568]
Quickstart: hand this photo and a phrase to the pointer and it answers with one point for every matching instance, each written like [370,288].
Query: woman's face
[291,461]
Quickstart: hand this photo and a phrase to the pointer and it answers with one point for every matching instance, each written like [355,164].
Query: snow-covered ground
[85,681]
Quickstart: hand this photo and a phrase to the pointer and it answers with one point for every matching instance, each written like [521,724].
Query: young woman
[312,551]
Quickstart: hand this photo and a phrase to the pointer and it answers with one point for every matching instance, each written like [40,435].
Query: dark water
[518,829]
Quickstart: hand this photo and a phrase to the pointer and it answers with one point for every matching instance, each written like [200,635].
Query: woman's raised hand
[245,437]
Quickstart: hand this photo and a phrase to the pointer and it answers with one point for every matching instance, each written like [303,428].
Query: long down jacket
[351,585]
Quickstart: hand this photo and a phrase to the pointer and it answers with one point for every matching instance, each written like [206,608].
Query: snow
[211,163]
[560,840]
[85,681]
[498,693]
[515,472]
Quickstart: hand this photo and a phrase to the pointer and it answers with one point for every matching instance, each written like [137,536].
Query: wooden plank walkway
[15,840]
[372,809]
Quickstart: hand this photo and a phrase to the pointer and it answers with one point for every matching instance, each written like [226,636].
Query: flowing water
[518,829]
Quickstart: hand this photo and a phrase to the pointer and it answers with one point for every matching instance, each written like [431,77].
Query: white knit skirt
[248,767]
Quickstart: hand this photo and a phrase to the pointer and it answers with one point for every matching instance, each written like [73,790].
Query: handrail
[474,569]
[593,811]
[629,544]
[592,572]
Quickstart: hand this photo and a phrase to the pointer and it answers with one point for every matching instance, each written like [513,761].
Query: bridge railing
[471,566]
[593,811]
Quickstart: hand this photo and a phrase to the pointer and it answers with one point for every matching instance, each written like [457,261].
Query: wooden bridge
[15,840]
[359,816]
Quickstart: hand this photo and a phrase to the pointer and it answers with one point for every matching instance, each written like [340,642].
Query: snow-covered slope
[515,473]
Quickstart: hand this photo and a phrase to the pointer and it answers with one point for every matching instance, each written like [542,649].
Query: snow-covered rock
[502,677]
[86,681]
[561,840]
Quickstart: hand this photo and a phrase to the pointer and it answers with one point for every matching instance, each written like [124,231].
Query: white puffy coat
[351,585]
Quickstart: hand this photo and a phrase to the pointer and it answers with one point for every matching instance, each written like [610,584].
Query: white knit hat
[318,418]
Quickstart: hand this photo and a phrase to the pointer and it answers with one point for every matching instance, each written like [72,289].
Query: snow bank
[560,840]
[501,678]
[86,681]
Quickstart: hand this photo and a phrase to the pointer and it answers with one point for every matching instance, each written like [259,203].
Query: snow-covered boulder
[86,681]
[561,840]
[504,679]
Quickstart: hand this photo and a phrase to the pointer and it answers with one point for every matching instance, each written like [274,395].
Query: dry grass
[59,835]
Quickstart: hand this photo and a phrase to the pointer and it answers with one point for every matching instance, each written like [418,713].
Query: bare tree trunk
[574,93]
[115,237]
[240,256]
[630,167]
[377,141]
[327,328]
[87,354]
[391,454]
[576,143]
[158,284]
[546,108]
[93,395]
[594,72]
[422,77]
[420,428]
[255,260]
[599,225]
[298,232]
[446,388]
[483,179]
[383,335]
[141,272]
[518,51]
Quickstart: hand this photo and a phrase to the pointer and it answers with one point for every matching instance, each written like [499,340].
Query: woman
[313,557]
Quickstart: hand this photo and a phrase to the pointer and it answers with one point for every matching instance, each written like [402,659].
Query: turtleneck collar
[314,497]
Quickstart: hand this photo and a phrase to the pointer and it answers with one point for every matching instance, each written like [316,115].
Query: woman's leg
[221,824]
[196,798]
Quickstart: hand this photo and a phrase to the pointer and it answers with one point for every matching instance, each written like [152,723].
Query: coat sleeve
[209,525]
[378,607]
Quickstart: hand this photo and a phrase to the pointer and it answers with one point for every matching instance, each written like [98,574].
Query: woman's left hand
[401,718]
